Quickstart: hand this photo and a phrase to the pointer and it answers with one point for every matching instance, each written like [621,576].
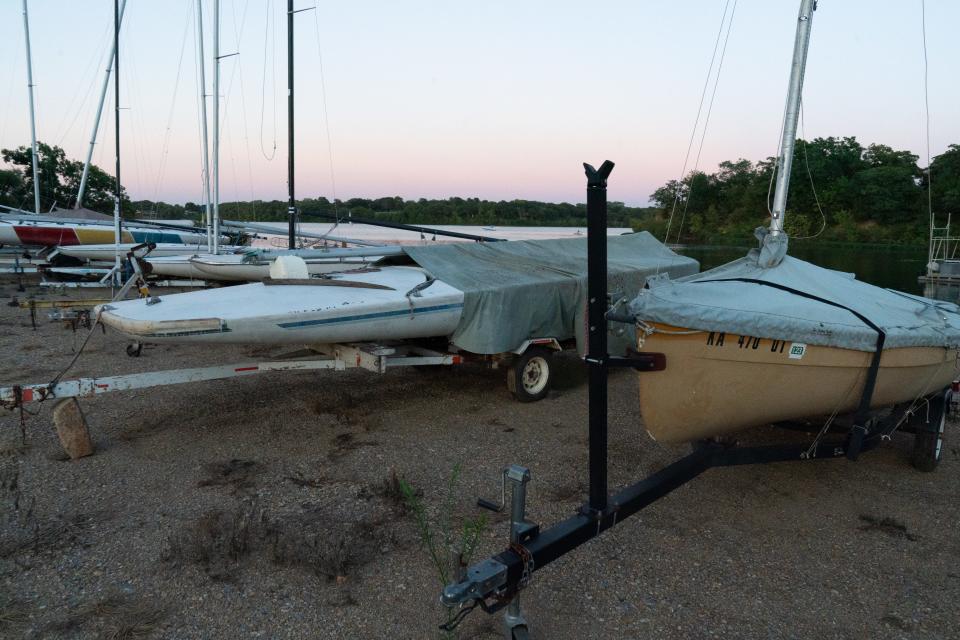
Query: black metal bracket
[499,578]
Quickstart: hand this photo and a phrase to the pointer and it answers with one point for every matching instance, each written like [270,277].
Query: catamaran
[770,338]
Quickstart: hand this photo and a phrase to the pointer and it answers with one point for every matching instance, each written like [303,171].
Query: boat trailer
[495,583]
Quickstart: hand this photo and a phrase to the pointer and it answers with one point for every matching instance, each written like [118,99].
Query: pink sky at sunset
[495,100]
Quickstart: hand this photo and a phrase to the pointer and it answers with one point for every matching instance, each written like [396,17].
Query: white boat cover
[794,303]
[519,290]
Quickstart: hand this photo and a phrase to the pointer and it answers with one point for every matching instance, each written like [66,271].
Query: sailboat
[771,338]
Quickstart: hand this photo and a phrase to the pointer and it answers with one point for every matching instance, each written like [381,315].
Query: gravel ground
[266,507]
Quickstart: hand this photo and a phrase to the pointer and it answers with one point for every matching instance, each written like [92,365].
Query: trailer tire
[529,377]
[928,442]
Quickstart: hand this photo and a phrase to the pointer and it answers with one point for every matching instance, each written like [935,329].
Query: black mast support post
[597,331]
[291,205]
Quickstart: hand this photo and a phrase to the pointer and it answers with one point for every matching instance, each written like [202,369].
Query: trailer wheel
[528,378]
[928,443]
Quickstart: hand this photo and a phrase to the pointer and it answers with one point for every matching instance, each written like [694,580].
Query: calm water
[896,268]
[893,267]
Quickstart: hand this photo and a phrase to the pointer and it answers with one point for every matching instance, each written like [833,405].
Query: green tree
[945,170]
[59,180]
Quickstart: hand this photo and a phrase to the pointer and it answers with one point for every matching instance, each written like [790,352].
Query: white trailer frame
[337,357]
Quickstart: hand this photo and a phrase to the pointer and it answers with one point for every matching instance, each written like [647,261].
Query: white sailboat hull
[178,266]
[105,252]
[232,267]
[353,307]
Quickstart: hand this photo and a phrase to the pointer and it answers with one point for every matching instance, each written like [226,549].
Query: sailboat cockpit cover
[519,290]
[797,301]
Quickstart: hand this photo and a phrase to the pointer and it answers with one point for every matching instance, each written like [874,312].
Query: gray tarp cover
[766,312]
[518,290]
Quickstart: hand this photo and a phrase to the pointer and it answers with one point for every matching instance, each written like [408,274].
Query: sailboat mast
[33,123]
[216,126]
[96,120]
[116,106]
[203,127]
[291,205]
[791,115]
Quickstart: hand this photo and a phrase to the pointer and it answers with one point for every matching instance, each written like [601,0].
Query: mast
[96,121]
[792,113]
[203,121]
[116,106]
[33,123]
[216,126]
[291,205]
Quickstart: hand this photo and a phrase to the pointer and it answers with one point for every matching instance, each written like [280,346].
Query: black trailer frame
[496,582]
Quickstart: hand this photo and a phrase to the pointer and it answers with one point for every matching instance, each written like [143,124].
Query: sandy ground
[263,507]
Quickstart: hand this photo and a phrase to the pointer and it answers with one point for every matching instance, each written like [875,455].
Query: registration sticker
[797,349]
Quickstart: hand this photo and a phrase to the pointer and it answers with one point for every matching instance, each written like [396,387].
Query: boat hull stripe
[369,316]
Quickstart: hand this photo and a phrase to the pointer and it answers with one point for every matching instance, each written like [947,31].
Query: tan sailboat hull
[716,383]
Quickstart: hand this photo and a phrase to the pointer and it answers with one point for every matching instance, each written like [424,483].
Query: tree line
[868,194]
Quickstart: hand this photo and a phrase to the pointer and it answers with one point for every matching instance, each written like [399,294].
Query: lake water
[891,267]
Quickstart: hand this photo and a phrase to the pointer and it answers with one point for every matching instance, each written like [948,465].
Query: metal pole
[96,120]
[33,123]
[203,126]
[794,92]
[597,330]
[116,105]
[216,126]
[291,205]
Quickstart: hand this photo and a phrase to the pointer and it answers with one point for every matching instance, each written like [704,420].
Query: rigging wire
[273,83]
[243,106]
[88,79]
[696,124]
[13,64]
[165,148]
[706,121]
[201,105]
[806,163]
[326,118]
[926,105]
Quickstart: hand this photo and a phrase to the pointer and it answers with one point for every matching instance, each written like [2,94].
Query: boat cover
[519,290]
[794,304]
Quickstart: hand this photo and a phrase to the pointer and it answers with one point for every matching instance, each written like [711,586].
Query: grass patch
[217,541]
[236,474]
[115,617]
[14,614]
[222,542]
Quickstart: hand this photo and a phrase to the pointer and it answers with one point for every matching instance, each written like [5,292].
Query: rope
[806,162]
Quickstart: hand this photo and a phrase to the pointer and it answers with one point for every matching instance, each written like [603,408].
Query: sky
[495,99]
